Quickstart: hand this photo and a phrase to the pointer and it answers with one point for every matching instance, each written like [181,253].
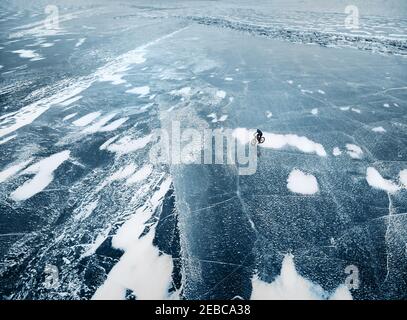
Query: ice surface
[113,223]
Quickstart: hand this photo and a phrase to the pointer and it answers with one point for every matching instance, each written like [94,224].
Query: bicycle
[254,140]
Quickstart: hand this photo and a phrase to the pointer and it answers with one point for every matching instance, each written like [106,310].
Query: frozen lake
[82,105]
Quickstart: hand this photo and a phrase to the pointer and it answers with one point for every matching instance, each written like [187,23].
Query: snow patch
[279,141]
[303,183]
[85,120]
[336,152]
[375,180]
[142,268]
[80,42]
[403,177]
[379,129]
[69,116]
[7,139]
[44,174]
[140,175]
[28,54]
[221,94]
[12,170]
[354,151]
[86,211]
[127,144]
[141,91]
[70,101]
[290,285]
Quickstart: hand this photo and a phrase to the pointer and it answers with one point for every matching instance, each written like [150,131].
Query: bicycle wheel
[262,139]
[253,142]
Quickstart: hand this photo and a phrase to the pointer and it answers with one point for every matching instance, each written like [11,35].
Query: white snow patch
[141,91]
[386,105]
[321,91]
[336,152]
[279,141]
[403,177]
[223,118]
[141,268]
[375,180]
[140,175]
[127,144]
[314,111]
[123,173]
[86,211]
[98,241]
[108,142]
[221,94]
[70,101]
[28,54]
[7,139]
[120,174]
[98,125]
[69,116]
[12,170]
[85,120]
[379,129]
[228,79]
[114,79]
[80,42]
[47,45]
[186,91]
[300,182]
[114,125]
[290,285]
[290,81]
[269,114]
[44,174]
[344,108]
[216,119]
[356,110]
[354,151]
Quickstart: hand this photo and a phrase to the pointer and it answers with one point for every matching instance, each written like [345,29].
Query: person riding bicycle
[259,135]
